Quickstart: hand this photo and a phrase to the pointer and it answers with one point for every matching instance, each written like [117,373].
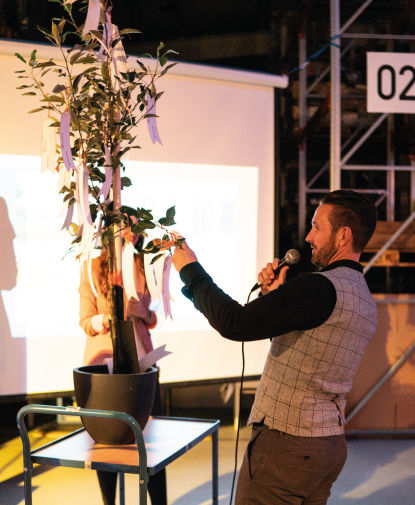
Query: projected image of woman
[94,316]
[12,350]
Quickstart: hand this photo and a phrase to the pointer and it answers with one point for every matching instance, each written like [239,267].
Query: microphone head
[292,256]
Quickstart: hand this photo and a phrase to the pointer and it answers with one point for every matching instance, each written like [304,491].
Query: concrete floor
[377,472]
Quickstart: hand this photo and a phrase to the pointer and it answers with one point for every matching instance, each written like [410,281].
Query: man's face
[321,237]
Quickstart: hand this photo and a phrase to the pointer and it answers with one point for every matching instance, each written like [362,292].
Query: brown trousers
[279,468]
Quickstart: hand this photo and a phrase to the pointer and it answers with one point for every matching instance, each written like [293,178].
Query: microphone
[292,257]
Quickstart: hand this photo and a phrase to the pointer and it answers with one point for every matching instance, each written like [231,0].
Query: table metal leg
[121,483]
[215,467]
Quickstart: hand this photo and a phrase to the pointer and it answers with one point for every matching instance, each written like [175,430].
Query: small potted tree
[95,104]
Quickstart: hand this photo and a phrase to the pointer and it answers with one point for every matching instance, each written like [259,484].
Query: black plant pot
[133,394]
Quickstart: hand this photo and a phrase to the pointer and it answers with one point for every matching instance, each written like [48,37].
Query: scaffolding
[341,154]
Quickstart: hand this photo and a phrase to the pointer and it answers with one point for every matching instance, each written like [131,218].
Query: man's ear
[346,236]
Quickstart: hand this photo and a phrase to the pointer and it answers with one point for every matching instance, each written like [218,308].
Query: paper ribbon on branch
[149,273]
[98,235]
[106,38]
[85,251]
[64,209]
[89,269]
[128,272]
[152,357]
[65,177]
[65,140]
[162,270]
[87,239]
[48,146]
[106,185]
[152,121]
[92,18]
[83,190]
[69,215]
[146,361]
[165,286]
[80,230]
[79,212]
[118,54]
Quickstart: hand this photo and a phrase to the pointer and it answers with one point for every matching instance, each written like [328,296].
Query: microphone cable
[290,258]
[239,413]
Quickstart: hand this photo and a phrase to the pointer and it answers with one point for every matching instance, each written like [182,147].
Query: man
[320,324]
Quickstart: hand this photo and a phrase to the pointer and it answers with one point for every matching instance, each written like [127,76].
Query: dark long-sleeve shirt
[302,303]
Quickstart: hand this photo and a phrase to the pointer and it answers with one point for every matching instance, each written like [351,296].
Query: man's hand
[105,323]
[183,256]
[268,279]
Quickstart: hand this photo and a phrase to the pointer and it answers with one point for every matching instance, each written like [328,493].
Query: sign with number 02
[391,82]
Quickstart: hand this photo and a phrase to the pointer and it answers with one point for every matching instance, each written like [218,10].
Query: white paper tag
[152,121]
[87,239]
[65,140]
[92,18]
[64,209]
[68,219]
[84,193]
[152,357]
[158,273]
[79,211]
[110,364]
[48,145]
[65,177]
[89,269]
[128,272]
[165,286]
[149,273]
[118,54]
[98,235]
[108,174]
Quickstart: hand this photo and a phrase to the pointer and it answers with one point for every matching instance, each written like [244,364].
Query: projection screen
[216,165]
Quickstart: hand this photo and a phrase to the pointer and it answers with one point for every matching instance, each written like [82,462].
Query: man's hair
[355,211]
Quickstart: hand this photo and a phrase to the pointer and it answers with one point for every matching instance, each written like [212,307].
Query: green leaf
[165,70]
[74,57]
[163,60]
[55,32]
[59,88]
[45,31]
[149,225]
[53,98]
[30,93]
[76,82]
[158,256]
[97,34]
[61,25]
[125,182]
[171,212]
[129,30]
[45,64]
[35,110]
[144,214]
[170,51]
[161,45]
[141,65]
[20,57]
[87,59]
[33,55]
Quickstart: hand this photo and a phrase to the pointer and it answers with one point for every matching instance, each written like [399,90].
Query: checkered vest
[308,373]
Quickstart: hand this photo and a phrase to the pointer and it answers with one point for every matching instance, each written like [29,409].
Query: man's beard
[322,256]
